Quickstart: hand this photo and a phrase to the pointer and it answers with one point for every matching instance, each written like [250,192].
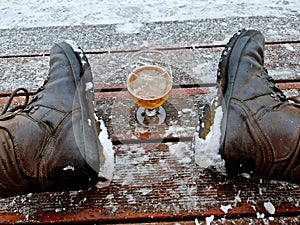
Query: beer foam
[149,82]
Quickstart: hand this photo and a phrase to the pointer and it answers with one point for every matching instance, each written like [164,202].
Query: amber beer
[149,86]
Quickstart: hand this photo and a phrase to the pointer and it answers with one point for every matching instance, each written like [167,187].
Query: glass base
[150,117]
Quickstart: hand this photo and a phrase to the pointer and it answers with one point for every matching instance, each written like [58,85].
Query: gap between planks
[135,50]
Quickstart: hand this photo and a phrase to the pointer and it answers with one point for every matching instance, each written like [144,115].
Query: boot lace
[278,93]
[18,107]
[26,103]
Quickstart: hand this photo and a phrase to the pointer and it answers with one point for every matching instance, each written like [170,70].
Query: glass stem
[150,112]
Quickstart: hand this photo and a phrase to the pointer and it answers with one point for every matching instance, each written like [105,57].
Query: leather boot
[51,144]
[260,126]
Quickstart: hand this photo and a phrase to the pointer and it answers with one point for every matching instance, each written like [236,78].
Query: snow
[207,150]
[129,13]
[269,207]
[88,86]
[225,208]
[260,215]
[209,219]
[237,198]
[77,49]
[107,168]
[182,152]
[90,122]
[69,168]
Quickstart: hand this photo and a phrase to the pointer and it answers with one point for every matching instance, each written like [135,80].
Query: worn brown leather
[52,144]
[260,127]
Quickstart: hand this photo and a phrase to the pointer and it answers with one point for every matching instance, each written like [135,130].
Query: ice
[187,110]
[69,168]
[246,175]
[269,207]
[207,150]
[182,152]
[88,86]
[209,219]
[145,191]
[89,122]
[225,208]
[289,47]
[237,198]
[129,28]
[177,130]
[260,215]
[107,168]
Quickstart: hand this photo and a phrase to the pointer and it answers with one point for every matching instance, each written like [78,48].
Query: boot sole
[226,78]
[83,78]
[208,112]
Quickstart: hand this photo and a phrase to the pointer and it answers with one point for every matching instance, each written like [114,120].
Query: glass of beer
[149,84]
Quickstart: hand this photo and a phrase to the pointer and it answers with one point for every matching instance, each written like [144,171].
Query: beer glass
[149,84]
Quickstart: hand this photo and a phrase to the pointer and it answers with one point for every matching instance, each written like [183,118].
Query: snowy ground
[35,13]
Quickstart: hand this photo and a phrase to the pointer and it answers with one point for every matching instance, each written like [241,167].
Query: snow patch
[90,122]
[77,49]
[209,219]
[145,191]
[289,47]
[260,215]
[225,208]
[177,131]
[74,46]
[182,152]
[28,13]
[207,150]
[269,207]
[69,168]
[237,198]
[129,28]
[106,168]
[89,86]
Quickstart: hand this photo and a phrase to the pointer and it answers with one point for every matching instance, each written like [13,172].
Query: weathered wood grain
[167,34]
[190,66]
[155,182]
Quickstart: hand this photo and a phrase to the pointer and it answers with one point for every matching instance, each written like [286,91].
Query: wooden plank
[182,108]
[154,35]
[190,66]
[227,221]
[156,182]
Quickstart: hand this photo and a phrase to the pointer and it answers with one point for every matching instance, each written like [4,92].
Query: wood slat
[182,108]
[155,182]
[190,66]
[226,221]
[166,34]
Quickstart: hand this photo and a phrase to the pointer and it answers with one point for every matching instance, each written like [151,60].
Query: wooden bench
[156,180]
